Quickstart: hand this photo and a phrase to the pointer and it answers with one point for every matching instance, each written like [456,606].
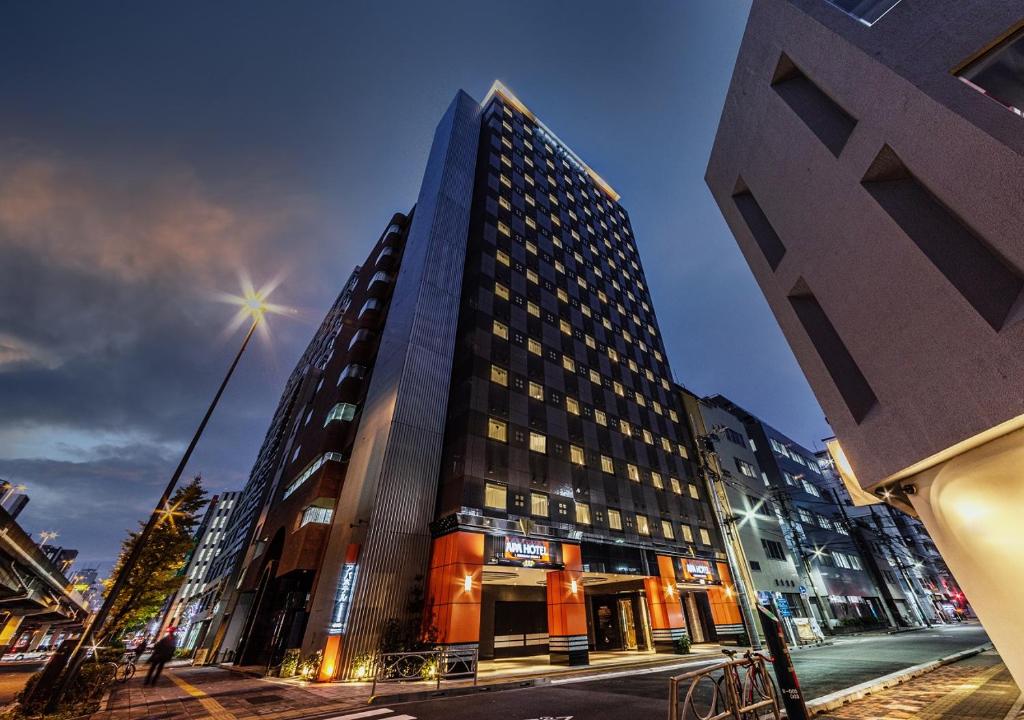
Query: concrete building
[492,454]
[839,589]
[188,605]
[868,163]
[12,499]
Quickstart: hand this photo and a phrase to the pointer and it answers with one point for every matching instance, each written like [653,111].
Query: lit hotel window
[657,481]
[495,496]
[341,411]
[537,391]
[501,291]
[614,519]
[666,530]
[533,346]
[497,430]
[633,472]
[687,533]
[568,364]
[576,455]
[572,406]
[677,488]
[642,526]
[539,504]
[538,443]
[582,513]
[499,375]
[693,492]
[500,329]
[704,537]
[607,465]
[503,257]
[318,515]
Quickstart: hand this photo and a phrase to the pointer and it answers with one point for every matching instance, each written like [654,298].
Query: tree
[157,574]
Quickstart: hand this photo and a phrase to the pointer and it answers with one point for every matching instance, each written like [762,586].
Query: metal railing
[738,689]
[425,665]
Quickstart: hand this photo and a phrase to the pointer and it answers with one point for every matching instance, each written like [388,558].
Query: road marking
[372,713]
[640,671]
[214,708]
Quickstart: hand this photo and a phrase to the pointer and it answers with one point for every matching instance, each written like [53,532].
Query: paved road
[13,677]
[640,696]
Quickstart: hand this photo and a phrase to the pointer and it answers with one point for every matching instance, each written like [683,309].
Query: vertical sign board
[789,686]
[344,592]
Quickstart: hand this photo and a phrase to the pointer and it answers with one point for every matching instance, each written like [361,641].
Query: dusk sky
[149,153]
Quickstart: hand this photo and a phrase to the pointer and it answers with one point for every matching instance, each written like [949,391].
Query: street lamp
[252,305]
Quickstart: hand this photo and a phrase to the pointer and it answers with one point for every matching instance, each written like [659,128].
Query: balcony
[371,311]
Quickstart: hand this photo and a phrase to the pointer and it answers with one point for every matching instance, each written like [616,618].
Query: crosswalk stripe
[372,713]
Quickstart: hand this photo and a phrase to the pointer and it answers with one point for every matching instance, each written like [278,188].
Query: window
[499,375]
[536,391]
[341,411]
[755,566]
[657,481]
[867,11]
[309,470]
[533,309]
[582,513]
[568,363]
[693,491]
[633,472]
[565,327]
[497,430]
[614,519]
[677,487]
[313,514]
[533,346]
[500,329]
[495,496]
[576,455]
[600,417]
[704,536]
[539,504]
[666,530]
[607,465]
[501,291]
[538,443]
[773,549]
[997,73]
[745,468]
[824,522]
[854,562]
[840,560]
[642,525]
[809,488]
[502,257]
[687,533]
[805,516]
[572,406]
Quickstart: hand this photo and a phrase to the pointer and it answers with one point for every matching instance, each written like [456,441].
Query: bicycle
[124,669]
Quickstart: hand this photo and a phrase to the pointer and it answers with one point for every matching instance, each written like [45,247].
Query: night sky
[150,153]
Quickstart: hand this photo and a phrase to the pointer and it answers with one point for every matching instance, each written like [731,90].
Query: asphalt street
[13,677]
[821,670]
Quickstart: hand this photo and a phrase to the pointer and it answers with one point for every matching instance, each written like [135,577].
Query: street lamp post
[255,306]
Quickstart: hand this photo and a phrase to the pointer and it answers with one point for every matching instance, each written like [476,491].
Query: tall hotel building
[493,431]
[869,162]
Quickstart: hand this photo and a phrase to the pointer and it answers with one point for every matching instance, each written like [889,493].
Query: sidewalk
[186,692]
[977,688]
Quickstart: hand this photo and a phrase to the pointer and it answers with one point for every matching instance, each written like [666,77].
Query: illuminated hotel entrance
[514,596]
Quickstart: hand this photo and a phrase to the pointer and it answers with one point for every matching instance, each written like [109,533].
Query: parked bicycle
[124,669]
[738,689]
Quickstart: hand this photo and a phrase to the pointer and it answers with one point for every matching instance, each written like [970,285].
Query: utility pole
[794,534]
[868,557]
[733,547]
[903,570]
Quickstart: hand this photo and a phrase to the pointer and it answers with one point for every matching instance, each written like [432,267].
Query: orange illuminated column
[725,607]
[567,611]
[454,588]
[668,625]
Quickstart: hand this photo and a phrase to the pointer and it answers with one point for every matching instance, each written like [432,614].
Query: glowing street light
[253,306]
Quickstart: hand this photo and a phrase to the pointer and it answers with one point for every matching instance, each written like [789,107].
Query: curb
[856,692]
[418,695]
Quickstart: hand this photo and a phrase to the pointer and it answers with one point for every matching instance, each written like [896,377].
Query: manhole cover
[264,699]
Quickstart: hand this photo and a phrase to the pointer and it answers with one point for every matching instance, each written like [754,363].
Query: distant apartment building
[494,430]
[867,161]
[187,610]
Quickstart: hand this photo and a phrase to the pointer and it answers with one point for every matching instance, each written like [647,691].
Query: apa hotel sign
[523,551]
